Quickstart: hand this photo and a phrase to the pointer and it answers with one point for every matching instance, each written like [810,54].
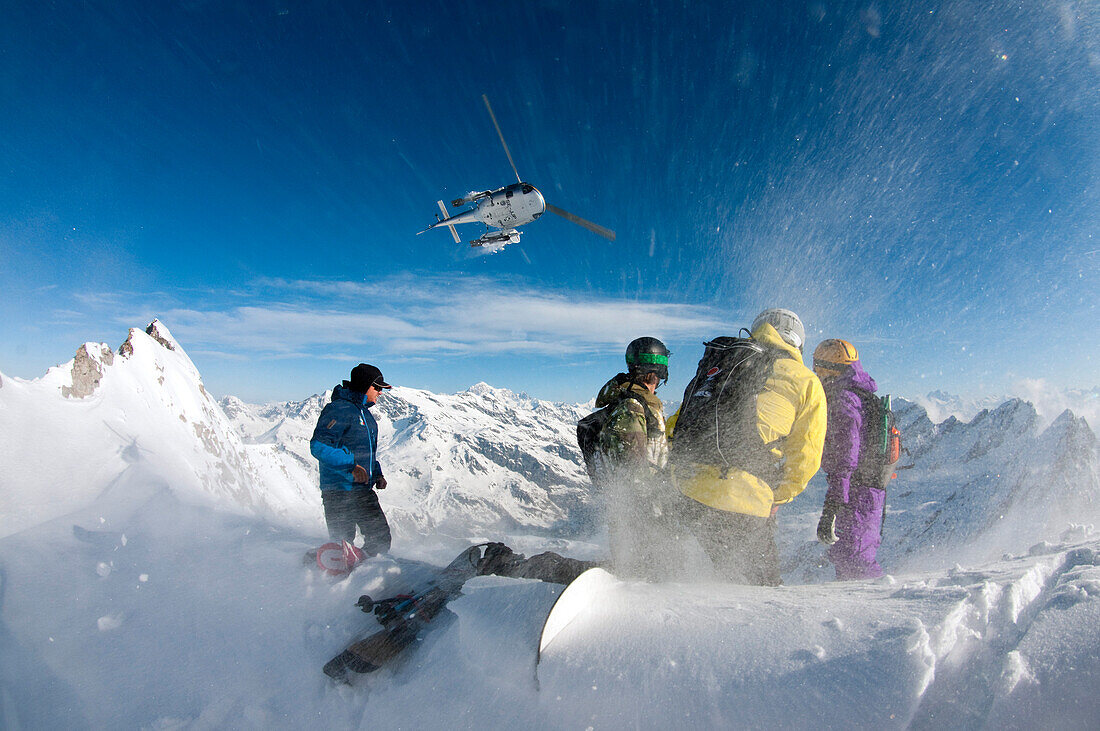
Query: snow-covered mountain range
[1049,402]
[475,464]
[940,405]
[470,464]
[998,482]
[200,511]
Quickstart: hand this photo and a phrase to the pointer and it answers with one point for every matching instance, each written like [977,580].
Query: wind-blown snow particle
[109,622]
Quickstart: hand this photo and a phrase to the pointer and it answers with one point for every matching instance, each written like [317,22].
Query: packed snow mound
[888,653]
[192,616]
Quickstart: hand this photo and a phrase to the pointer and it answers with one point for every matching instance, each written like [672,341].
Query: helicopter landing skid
[497,238]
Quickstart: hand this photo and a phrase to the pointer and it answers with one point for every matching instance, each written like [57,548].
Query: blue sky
[922,181]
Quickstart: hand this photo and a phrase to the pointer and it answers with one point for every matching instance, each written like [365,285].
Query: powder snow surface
[152,576]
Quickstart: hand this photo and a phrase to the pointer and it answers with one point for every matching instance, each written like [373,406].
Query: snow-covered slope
[189,617]
[187,604]
[74,433]
[967,491]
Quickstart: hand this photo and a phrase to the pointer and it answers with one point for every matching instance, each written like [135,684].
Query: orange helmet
[832,357]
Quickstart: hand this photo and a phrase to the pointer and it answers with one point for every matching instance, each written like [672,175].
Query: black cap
[363,376]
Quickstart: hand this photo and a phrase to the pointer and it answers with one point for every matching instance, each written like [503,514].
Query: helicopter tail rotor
[593,227]
[446,215]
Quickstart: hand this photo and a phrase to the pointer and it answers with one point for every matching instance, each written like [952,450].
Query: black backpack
[880,440]
[589,428]
[717,421]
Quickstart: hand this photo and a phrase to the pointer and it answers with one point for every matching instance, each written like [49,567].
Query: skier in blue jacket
[345,444]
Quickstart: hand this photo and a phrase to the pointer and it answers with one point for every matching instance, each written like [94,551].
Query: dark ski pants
[741,547]
[345,509]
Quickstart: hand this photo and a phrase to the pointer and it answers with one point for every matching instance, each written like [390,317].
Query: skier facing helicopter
[630,454]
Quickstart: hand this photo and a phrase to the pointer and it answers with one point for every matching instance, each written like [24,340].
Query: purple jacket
[842,438]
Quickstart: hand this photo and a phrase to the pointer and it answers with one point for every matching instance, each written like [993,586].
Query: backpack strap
[650,420]
[870,465]
[868,400]
[863,393]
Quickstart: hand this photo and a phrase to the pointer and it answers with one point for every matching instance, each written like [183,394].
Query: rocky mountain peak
[89,365]
[157,331]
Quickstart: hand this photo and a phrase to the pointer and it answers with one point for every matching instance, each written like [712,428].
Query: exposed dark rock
[154,332]
[87,371]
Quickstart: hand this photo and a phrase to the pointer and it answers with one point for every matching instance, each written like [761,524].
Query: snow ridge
[106,414]
[182,523]
[999,480]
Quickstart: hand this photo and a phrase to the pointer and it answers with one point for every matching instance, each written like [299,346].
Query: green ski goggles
[650,358]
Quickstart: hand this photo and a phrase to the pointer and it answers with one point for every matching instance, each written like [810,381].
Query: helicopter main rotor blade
[593,227]
[501,135]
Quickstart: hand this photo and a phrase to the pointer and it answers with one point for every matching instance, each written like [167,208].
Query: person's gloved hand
[826,527]
[380,483]
[359,474]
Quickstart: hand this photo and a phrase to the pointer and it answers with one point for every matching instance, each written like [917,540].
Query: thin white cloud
[430,315]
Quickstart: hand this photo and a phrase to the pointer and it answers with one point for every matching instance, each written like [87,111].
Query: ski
[403,618]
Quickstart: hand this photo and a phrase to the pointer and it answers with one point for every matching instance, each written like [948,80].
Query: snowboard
[404,618]
[578,596]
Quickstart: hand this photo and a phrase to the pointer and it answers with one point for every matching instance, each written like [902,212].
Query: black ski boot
[498,559]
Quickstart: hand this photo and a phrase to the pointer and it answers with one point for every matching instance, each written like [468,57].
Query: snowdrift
[152,575]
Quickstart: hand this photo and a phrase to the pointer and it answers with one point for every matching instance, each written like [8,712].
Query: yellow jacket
[792,405]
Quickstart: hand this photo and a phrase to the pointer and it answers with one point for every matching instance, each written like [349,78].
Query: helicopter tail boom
[469,216]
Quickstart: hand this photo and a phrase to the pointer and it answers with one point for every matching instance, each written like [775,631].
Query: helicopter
[506,208]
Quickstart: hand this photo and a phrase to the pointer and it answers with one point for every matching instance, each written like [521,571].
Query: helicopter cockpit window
[527,188]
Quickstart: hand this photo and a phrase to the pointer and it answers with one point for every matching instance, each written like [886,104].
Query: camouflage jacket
[632,439]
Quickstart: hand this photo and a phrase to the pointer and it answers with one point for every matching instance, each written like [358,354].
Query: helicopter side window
[510,193]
